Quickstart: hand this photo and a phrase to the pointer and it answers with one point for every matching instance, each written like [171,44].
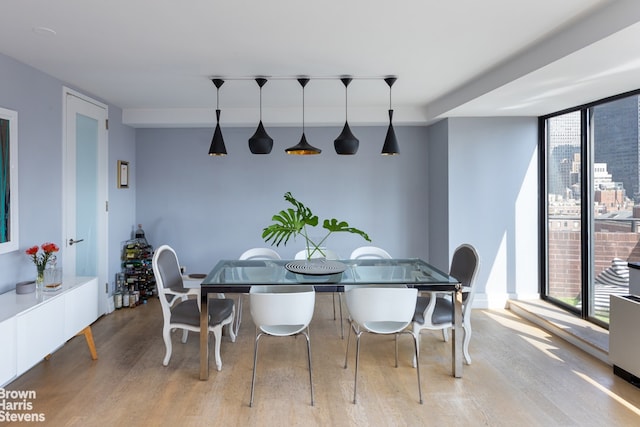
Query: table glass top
[362,271]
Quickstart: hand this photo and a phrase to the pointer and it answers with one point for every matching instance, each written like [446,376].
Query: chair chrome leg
[396,340]
[341,323]
[255,360]
[333,299]
[415,342]
[347,352]
[309,358]
[355,381]
[416,333]
[238,318]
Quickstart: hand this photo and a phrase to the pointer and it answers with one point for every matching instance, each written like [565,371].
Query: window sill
[585,335]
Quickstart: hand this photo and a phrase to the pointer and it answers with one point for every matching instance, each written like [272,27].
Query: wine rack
[137,255]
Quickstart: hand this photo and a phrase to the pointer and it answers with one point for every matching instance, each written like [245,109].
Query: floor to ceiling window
[591,185]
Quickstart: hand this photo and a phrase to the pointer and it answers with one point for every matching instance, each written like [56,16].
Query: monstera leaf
[293,221]
[334,226]
[287,223]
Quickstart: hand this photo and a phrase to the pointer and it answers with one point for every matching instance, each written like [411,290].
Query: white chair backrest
[326,253]
[259,274]
[382,310]
[369,252]
[372,273]
[260,253]
[282,305]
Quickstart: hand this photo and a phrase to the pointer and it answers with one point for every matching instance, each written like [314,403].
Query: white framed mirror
[8,180]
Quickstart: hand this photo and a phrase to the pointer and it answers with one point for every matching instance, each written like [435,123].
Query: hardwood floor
[520,376]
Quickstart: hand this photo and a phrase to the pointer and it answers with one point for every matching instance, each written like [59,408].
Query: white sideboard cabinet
[34,325]
[8,354]
[624,339]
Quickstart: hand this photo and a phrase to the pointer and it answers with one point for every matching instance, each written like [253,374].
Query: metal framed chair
[181,312]
[332,255]
[435,311]
[251,254]
[379,310]
[369,252]
[281,311]
[373,274]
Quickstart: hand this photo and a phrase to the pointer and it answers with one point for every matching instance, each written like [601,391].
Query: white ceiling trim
[602,23]
[249,117]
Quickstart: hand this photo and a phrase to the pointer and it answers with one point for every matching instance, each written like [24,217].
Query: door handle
[71,241]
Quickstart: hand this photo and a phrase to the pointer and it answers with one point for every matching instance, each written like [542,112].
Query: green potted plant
[297,220]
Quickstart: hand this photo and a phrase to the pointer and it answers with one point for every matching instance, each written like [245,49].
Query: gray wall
[38,100]
[210,208]
[460,180]
[438,161]
[493,203]
[122,201]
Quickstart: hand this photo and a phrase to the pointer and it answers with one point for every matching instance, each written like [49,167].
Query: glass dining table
[237,276]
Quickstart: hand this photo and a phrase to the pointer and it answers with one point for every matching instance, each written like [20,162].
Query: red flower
[50,247]
[42,259]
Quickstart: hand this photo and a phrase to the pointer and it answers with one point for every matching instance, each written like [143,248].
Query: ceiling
[154,59]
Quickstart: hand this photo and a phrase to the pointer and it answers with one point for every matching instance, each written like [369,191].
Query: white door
[85,190]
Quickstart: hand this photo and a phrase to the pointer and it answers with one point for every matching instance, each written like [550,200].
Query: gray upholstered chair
[181,312]
[435,311]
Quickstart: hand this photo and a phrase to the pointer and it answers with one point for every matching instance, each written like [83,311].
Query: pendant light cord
[346,108]
[260,103]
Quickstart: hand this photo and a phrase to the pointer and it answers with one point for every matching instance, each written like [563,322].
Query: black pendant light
[303,147]
[346,142]
[390,147]
[260,142]
[217,142]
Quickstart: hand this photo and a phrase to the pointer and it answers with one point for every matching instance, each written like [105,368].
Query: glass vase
[39,279]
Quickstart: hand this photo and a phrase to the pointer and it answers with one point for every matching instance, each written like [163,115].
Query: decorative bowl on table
[316,270]
[25,287]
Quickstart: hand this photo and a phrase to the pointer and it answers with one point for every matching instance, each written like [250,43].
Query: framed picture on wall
[8,180]
[123,174]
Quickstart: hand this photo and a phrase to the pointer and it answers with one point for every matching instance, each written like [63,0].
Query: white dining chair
[369,252]
[321,253]
[372,274]
[379,310]
[252,254]
[281,311]
[331,255]
[181,312]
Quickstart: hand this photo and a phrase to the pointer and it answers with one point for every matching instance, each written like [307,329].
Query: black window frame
[586,152]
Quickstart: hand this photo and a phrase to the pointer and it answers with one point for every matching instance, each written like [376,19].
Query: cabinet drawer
[8,354]
[39,332]
[81,308]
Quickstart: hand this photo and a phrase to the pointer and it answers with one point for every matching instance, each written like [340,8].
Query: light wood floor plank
[520,376]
